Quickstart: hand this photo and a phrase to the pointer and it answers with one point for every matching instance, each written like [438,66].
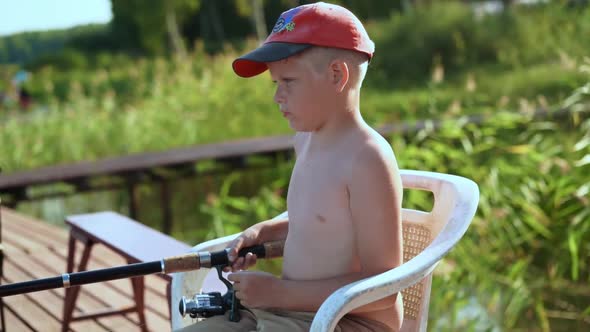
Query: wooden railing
[132,170]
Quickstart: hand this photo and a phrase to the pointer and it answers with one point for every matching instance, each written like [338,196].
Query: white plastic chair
[427,236]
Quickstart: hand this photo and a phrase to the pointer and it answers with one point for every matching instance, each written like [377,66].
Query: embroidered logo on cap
[285,22]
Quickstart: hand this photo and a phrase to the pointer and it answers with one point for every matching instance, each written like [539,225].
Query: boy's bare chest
[320,222]
[318,189]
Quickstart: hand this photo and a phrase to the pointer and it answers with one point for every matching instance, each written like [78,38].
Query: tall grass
[197,101]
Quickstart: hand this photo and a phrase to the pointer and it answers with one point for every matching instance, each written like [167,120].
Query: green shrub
[67,59]
[408,43]
[449,35]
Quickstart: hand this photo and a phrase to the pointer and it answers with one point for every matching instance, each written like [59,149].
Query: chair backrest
[420,228]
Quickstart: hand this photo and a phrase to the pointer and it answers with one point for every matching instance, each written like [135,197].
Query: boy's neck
[337,126]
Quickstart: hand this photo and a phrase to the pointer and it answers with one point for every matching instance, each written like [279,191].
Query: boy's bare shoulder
[375,186]
[375,159]
[375,149]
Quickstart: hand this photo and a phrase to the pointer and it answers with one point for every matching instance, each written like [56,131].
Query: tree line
[175,27]
[161,27]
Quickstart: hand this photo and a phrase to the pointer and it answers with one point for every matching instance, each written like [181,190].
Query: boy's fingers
[233,277]
[238,263]
[235,246]
[247,259]
[250,259]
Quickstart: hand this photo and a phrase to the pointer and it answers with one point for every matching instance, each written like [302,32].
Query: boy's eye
[283,80]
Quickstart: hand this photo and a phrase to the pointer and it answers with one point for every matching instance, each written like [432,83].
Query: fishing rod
[181,263]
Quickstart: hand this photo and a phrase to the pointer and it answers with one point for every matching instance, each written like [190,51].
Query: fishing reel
[205,305]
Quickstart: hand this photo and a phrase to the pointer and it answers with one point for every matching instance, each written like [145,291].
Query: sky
[34,15]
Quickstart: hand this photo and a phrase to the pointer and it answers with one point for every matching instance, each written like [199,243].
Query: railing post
[2,323]
[133,199]
[166,207]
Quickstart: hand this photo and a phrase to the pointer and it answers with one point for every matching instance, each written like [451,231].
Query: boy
[344,197]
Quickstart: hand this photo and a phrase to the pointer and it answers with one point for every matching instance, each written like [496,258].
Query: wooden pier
[35,249]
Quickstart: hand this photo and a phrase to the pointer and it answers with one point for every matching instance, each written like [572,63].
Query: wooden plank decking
[35,249]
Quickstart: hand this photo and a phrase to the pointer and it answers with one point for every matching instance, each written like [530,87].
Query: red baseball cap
[318,24]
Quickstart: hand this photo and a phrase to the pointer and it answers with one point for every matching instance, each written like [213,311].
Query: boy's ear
[339,74]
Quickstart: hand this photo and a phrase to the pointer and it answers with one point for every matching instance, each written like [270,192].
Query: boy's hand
[248,238]
[255,289]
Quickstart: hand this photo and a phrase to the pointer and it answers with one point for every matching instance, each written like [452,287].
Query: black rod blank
[81,278]
[189,261]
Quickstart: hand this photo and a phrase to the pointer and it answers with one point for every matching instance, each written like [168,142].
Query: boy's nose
[279,97]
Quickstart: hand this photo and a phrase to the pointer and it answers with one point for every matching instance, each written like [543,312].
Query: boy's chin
[293,126]
[298,128]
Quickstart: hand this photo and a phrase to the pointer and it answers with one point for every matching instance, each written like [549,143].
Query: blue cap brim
[254,63]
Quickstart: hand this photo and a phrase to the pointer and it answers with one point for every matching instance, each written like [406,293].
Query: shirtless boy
[344,197]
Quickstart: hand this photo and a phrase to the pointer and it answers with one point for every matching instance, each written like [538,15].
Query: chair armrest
[215,244]
[371,289]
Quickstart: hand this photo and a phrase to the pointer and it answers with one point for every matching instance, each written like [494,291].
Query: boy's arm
[272,230]
[265,231]
[375,203]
